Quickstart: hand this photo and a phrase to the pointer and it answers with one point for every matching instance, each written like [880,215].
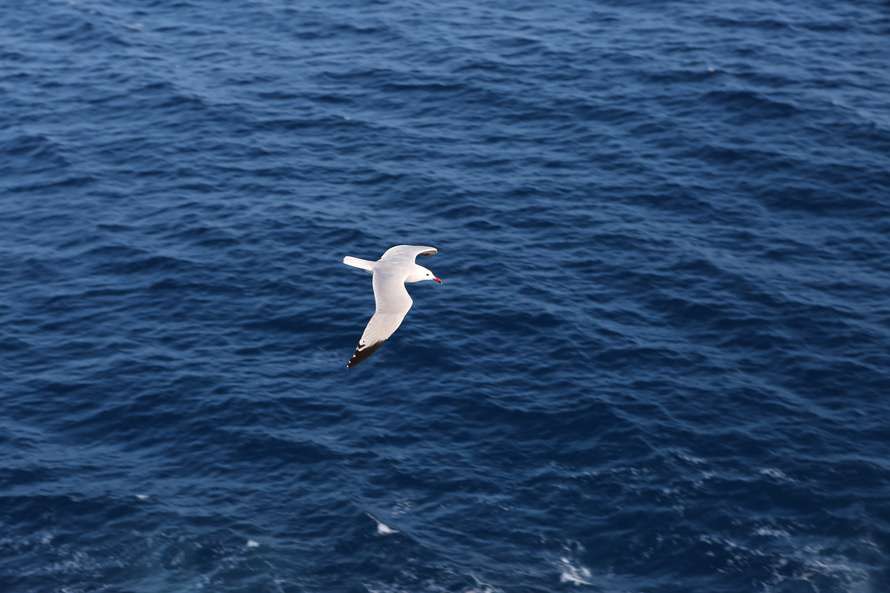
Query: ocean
[659,363]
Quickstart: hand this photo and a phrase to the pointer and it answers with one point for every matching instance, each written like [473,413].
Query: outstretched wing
[393,303]
[407,253]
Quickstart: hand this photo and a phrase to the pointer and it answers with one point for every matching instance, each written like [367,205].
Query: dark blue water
[659,363]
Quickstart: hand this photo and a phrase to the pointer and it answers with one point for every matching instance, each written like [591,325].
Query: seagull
[391,272]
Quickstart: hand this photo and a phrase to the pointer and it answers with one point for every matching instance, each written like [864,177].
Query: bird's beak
[437,279]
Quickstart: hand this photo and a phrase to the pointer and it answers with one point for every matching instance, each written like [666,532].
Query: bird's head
[420,274]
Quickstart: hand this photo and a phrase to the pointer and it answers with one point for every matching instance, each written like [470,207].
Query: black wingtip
[363,353]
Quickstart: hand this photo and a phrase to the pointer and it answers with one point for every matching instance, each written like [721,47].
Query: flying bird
[391,272]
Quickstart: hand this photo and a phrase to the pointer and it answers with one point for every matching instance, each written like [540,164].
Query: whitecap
[382,528]
[570,573]
[690,458]
[774,473]
[401,507]
[481,586]
[770,532]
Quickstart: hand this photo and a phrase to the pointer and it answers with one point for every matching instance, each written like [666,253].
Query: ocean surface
[660,361]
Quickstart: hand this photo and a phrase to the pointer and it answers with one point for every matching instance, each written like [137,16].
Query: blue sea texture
[658,364]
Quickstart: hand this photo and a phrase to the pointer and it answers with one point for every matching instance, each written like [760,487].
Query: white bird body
[394,268]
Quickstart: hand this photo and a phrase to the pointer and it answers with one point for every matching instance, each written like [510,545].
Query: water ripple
[658,362]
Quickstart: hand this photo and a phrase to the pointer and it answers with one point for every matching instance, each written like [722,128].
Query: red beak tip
[438,280]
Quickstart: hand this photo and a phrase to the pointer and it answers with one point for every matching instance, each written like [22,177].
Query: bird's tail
[359,263]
